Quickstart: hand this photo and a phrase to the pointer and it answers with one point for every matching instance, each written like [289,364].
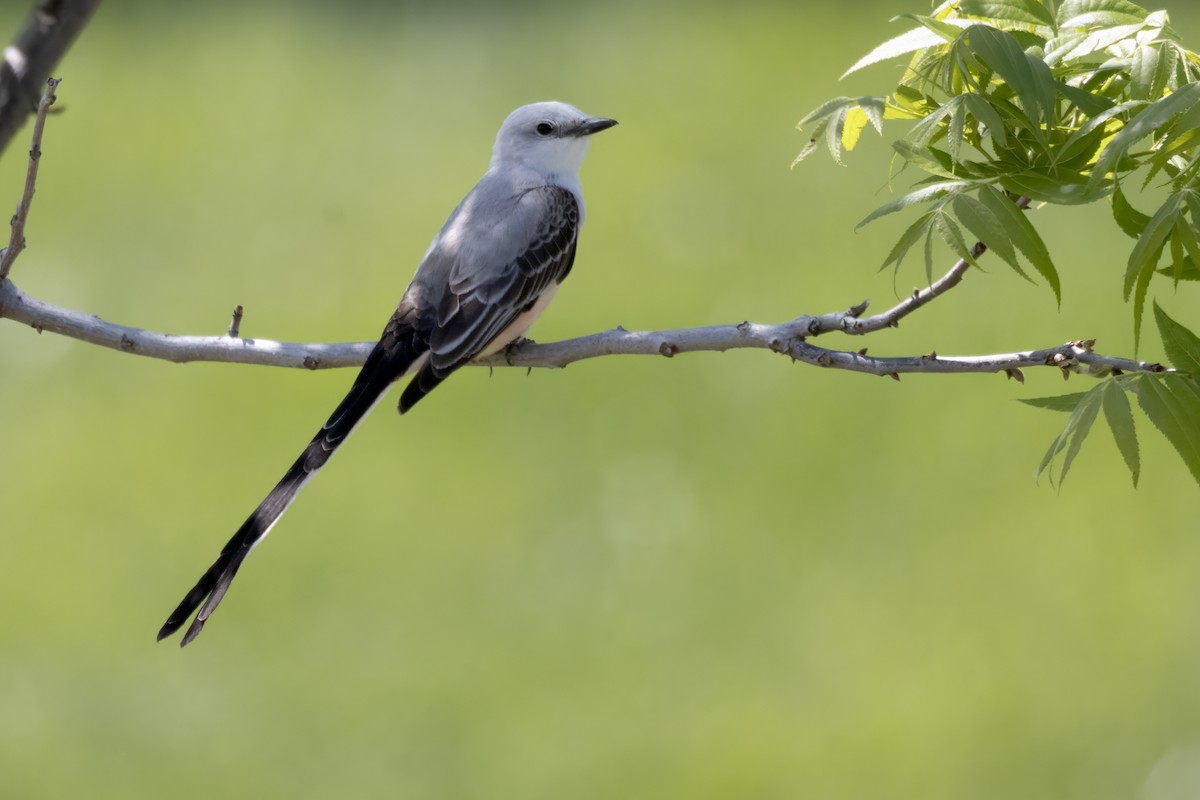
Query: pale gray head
[550,138]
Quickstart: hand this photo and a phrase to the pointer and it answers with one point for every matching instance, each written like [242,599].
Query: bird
[490,271]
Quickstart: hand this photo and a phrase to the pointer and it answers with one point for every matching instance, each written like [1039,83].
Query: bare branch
[16,305]
[43,40]
[786,338]
[16,241]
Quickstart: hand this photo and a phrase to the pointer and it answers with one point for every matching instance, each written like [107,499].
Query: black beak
[594,126]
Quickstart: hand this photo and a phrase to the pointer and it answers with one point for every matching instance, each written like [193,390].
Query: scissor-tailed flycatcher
[490,271]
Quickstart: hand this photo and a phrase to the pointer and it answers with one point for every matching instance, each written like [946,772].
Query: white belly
[521,324]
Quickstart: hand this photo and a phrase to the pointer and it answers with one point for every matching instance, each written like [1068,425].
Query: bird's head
[550,138]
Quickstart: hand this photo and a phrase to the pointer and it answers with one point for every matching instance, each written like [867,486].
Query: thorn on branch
[894,376]
[235,324]
[932,355]
[862,352]
[743,326]
[1015,374]
[858,310]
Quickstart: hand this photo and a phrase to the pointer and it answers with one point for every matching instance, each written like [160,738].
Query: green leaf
[1061,187]
[1029,77]
[1172,402]
[952,235]
[1144,258]
[833,133]
[924,158]
[907,239]
[1077,428]
[1180,344]
[987,116]
[933,191]
[1058,402]
[1190,271]
[1143,68]
[1185,235]
[907,42]
[984,226]
[1120,421]
[1022,234]
[1087,102]
[1128,218]
[1028,11]
[1144,123]
[1100,13]
[954,132]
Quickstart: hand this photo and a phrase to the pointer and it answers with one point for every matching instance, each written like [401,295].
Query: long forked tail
[386,363]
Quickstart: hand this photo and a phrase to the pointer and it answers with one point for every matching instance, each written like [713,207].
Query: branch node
[127,344]
[311,362]
[668,349]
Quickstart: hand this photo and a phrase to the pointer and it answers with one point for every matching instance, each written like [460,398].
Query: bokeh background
[721,575]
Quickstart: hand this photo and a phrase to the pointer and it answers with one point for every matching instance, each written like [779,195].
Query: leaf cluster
[1019,101]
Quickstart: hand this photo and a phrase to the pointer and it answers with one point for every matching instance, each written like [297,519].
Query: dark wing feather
[482,300]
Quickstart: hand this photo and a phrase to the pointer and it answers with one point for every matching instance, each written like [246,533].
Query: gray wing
[500,261]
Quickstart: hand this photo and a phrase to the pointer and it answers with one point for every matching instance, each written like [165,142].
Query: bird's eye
[545,128]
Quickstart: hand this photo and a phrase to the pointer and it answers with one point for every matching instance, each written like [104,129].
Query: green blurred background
[717,576]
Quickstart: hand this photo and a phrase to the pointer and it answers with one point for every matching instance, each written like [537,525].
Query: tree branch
[16,241]
[48,33]
[789,338]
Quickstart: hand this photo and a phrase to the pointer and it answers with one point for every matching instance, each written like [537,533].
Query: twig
[235,324]
[16,241]
[853,323]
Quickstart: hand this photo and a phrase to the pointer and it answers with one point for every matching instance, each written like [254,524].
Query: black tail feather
[386,363]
